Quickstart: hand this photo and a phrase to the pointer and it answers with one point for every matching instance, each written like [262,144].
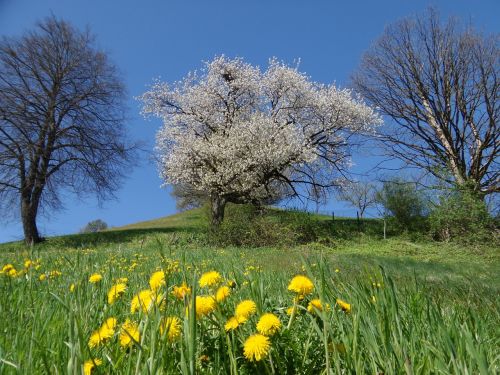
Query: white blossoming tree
[240,134]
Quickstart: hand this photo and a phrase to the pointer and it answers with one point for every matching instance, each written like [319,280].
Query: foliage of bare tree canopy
[94,226]
[241,134]
[360,194]
[439,83]
[61,121]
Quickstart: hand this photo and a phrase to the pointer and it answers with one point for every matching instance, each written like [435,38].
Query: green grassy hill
[344,242]
[418,306]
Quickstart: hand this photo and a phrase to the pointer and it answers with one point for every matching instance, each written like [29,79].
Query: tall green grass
[399,322]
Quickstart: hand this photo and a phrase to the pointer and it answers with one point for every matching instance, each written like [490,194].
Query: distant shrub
[404,205]
[247,225]
[94,226]
[461,215]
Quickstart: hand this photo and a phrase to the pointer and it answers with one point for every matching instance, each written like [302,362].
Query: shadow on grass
[95,239]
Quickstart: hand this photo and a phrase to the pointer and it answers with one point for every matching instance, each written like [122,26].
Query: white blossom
[235,131]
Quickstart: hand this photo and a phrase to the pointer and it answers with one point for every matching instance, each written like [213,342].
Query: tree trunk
[218,205]
[28,216]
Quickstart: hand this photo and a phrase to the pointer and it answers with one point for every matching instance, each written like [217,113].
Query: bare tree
[360,194]
[61,121]
[439,83]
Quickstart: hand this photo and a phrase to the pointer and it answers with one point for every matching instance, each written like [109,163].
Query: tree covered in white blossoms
[240,134]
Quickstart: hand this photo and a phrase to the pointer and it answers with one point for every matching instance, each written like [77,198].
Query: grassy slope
[440,263]
[460,282]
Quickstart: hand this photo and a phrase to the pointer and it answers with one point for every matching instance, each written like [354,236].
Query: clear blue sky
[168,38]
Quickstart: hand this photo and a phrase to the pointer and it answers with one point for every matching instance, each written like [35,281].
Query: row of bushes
[459,216]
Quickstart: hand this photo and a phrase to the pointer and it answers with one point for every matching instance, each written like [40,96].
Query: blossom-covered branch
[241,134]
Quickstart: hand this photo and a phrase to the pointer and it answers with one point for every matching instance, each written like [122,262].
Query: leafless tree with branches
[360,194]
[61,121]
[439,83]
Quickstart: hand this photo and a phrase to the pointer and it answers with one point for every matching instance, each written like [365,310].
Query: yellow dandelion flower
[222,293]
[89,365]
[144,300]
[13,273]
[245,309]
[54,274]
[209,279]
[129,333]
[291,310]
[28,263]
[157,280]
[95,278]
[204,305]
[268,324]
[231,324]
[171,326]
[42,277]
[115,292]
[7,268]
[104,333]
[181,291]
[256,347]
[317,305]
[121,280]
[301,285]
[72,288]
[344,305]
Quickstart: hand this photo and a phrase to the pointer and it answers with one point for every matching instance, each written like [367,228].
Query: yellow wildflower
[129,333]
[42,277]
[144,300]
[89,365]
[317,305]
[181,291]
[116,292]
[157,280]
[121,280]
[222,293]
[301,285]
[104,333]
[291,310]
[95,278]
[209,279]
[54,274]
[245,309]
[13,272]
[256,347]
[204,305]
[268,324]
[231,324]
[7,268]
[72,288]
[171,326]
[344,305]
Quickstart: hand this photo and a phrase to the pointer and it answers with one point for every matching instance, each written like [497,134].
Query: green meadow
[401,305]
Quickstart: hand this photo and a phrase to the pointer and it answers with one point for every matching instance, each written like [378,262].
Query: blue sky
[166,39]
